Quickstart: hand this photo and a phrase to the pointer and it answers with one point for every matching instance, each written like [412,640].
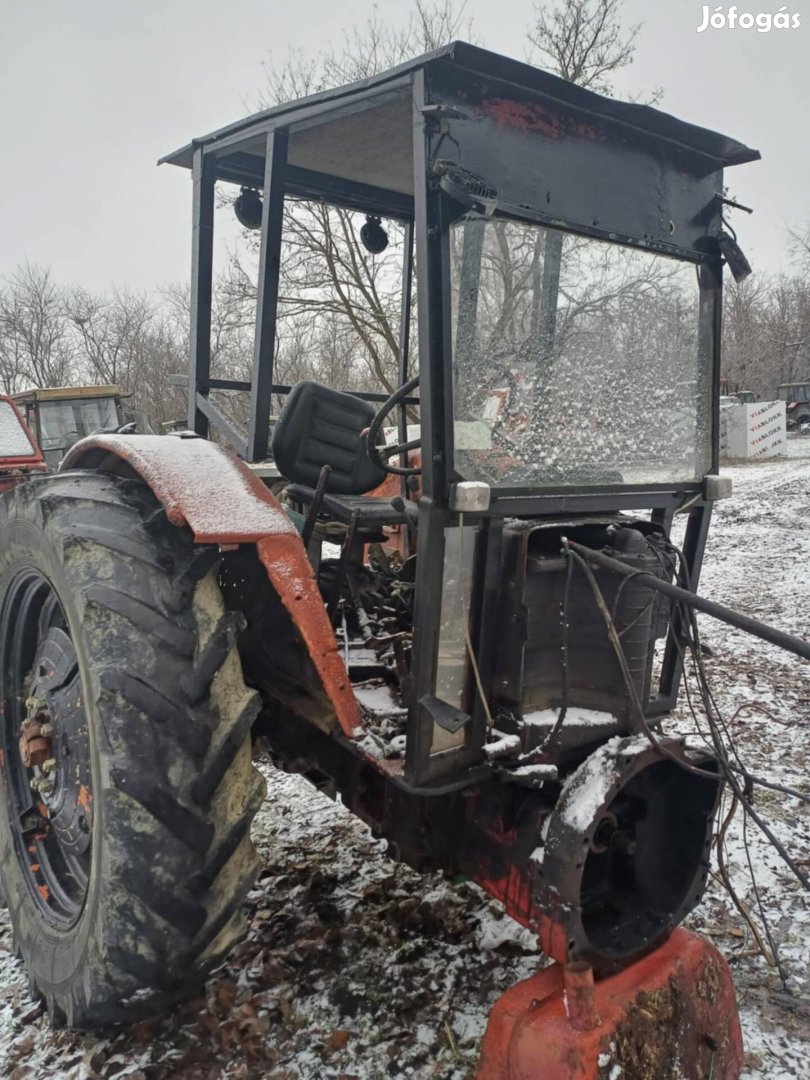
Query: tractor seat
[319,426]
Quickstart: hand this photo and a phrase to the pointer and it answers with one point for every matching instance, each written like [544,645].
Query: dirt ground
[355,968]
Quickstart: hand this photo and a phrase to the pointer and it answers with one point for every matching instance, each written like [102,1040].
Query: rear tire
[131,923]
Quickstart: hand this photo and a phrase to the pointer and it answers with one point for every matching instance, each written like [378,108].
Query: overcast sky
[92,92]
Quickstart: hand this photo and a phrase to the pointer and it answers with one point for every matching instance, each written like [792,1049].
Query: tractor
[59,416]
[467,668]
[796,397]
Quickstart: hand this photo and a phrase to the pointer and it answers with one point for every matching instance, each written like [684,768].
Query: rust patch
[84,797]
[645,1043]
[34,868]
[291,574]
[527,118]
[44,891]
[35,748]
[709,985]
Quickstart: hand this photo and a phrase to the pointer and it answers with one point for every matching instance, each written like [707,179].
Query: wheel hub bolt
[35,748]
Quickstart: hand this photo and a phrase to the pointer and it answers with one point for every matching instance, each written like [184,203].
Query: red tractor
[160,607]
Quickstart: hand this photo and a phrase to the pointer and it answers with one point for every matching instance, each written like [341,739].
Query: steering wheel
[380,454]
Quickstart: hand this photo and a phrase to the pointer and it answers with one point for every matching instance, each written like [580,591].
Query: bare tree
[799,245]
[348,299]
[35,341]
[111,330]
[368,49]
[584,41]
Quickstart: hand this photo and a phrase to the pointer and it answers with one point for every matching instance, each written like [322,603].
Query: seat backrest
[318,427]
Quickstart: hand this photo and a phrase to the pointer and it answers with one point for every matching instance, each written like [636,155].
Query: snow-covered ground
[355,967]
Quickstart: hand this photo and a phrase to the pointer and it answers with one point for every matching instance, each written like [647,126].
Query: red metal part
[16,468]
[203,486]
[290,571]
[672,1013]
[580,996]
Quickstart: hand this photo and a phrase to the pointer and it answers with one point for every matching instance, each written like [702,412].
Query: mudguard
[206,488]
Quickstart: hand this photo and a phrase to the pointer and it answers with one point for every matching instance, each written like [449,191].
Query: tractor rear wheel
[128,786]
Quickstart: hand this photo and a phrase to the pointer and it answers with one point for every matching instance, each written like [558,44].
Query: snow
[587,788]
[352,961]
[758,561]
[14,441]
[546,718]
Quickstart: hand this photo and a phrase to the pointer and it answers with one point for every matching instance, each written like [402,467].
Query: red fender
[207,488]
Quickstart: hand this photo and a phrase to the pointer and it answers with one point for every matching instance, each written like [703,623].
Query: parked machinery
[480,692]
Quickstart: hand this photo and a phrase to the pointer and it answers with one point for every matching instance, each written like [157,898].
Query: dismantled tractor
[483,665]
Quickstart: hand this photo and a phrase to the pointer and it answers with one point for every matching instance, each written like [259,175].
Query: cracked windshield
[575,361]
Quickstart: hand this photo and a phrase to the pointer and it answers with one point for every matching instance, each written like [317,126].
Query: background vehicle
[60,416]
[797,403]
[483,696]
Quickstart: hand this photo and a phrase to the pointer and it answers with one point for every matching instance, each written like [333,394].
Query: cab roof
[363,132]
[66,393]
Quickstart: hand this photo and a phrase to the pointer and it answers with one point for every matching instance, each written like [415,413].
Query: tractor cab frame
[465,147]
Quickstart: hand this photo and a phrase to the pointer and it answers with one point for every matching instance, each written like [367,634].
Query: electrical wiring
[713,714]
[686,635]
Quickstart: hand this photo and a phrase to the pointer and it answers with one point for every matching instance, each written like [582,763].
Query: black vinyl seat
[319,426]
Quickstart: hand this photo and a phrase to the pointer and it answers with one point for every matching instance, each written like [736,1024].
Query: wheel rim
[46,748]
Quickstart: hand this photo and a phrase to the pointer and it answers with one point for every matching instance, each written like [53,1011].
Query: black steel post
[202,271]
[261,391]
[405,342]
[694,546]
[433,292]
[710,332]
[549,298]
[469,281]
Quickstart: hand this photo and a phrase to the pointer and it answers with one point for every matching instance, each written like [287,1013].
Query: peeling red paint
[290,572]
[527,118]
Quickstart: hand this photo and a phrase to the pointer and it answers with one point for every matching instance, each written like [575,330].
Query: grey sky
[93,91]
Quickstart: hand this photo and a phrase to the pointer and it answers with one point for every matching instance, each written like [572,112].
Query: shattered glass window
[576,361]
[14,441]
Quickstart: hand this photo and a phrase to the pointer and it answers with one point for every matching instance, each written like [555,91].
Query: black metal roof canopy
[354,145]
[554,153]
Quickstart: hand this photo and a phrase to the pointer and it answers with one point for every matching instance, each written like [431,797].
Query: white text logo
[763,21]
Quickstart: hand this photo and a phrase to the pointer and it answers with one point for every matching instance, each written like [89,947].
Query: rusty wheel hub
[45,742]
[36,747]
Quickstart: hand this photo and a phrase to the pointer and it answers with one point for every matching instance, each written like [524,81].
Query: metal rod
[267,295]
[795,645]
[279,388]
[315,506]
[202,272]
[404,343]
[234,435]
